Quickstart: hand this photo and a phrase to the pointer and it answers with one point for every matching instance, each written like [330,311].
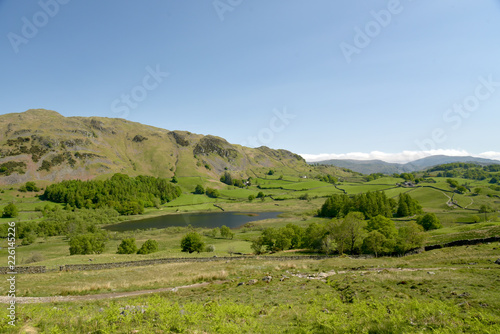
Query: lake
[208,220]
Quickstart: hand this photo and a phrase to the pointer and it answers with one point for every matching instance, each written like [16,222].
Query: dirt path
[112,295]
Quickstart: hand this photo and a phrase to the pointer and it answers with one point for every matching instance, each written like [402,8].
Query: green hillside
[43,145]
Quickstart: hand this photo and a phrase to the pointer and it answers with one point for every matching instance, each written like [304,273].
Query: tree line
[370,204]
[127,195]
[351,234]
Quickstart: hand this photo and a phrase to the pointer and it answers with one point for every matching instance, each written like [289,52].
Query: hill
[44,145]
[379,166]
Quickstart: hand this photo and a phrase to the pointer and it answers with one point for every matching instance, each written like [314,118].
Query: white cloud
[401,157]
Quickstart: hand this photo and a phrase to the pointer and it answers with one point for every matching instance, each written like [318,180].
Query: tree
[477,191]
[148,247]
[199,190]
[213,193]
[31,186]
[383,225]
[10,211]
[475,218]
[174,179]
[429,222]
[374,242]
[251,198]
[483,209]
[29,238]
[227,178]
[127,246]
[87,244]
[260,195]
[410,236]
[214,232]
[192,242]
[354,224]
[407,206]
[225,232]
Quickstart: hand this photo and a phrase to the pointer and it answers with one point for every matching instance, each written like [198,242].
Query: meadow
[448,290]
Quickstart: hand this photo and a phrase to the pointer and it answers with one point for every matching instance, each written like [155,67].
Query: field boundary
[112,265]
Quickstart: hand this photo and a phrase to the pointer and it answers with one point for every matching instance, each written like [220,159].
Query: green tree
[199,189]
[10,211]
[482,209]
[410,236]
[251,198]
[354,224]
[88,243]
[31,186]
[383,225]
[213,193]
[227,178]
[127,246]
[374,242]
[429,221]
[29,238]
[225,232]
[214,232]
[148,247]
[192,242]
[261,195]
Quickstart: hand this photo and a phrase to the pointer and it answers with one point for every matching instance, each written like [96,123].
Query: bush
[214,193]
[86,244]
[127,246]
[29,238]
[35,257]
[150,246]
[225,232]
[429,222]
[10,211]
[192,242]
[210,249]
[199,190]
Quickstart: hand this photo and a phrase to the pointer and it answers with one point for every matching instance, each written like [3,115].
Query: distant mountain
[44,145]
[367,166]
[379,166]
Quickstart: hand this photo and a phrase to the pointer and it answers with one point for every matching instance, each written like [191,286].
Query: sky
[394,80]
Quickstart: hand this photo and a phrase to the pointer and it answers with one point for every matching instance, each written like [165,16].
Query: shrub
[199,190]
[192,242]
[150,246]
[214,193]
[10,211]
[429,222]
[86,244]
[127,246]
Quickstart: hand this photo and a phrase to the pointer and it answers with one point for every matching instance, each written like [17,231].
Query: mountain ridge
[380,166]
[41,144]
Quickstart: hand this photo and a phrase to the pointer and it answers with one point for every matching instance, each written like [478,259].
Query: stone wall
[24,270]
[463,243]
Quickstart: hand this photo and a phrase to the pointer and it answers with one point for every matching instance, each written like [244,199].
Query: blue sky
[348,79]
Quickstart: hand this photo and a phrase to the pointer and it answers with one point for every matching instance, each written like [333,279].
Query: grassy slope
[447,291]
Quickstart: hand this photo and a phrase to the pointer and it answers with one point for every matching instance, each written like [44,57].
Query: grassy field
[442,291]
